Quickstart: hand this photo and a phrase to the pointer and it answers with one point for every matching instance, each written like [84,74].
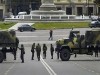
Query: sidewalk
[15,27]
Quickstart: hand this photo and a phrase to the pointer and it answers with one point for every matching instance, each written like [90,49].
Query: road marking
[48,68]
[6,73]
[40,36]
[9,69]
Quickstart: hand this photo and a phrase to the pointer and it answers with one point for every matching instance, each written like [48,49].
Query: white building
[72,7]
[78,7]
[2,8]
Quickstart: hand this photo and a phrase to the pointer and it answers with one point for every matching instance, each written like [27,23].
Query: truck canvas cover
[7,38]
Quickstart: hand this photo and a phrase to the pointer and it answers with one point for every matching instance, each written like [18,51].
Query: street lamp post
[10,8]
[87,5]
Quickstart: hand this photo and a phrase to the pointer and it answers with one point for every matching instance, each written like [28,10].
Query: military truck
[8,43]
[78,44]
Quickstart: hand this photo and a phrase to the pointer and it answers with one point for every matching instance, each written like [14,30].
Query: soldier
[91,49]
[51,37]
[17,43]
[22,53]
[32,50]
[58,48]
[4,49]
[15,49]
[97,49]
[14,52]
[52,51]
[38,50]
[44,51]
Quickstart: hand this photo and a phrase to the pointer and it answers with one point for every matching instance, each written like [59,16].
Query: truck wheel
[65,55]
[1,57]
[21,30]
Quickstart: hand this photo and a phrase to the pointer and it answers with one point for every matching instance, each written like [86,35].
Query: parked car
[26,27]
[94,23]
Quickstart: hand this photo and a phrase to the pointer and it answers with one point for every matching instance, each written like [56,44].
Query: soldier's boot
[4,59]
[32,58]
[97,55]
[38,58]
[52,57]
[14,57]
[57,55]
[75,55]
[22,60]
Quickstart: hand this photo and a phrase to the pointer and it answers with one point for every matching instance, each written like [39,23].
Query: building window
[98,11]
[69,10]
[58,8]
[79,10]
[2,1]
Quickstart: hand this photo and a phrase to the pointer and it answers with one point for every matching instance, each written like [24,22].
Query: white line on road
[6,73]
[46,68]
[49,69]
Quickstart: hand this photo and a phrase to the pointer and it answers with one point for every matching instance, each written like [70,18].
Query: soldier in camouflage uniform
[38,50]
[96,49]
[22,53]
[32,50]
[44,51]
[52,51]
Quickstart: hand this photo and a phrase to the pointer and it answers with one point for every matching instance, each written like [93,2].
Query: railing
[47,17]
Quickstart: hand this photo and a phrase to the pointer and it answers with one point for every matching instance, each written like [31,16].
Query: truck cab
[78,44]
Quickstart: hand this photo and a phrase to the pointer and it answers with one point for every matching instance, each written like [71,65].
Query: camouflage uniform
[97,49]
[51,37]
[15,49]
[58,46]
[52,51]
[32,50]
[38,50]
[4,49]
[22,53]
[44,51]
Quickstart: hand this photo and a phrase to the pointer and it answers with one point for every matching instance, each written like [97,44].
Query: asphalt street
[82,65]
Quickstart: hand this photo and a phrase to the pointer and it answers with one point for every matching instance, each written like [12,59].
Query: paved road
[82,65]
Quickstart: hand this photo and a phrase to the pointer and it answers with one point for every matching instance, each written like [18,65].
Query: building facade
[78,7]
[72,7]
[2,9]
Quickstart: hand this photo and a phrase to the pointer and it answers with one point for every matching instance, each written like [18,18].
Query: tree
[97,2]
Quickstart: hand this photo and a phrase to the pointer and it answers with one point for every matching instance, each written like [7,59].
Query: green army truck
[8,43]
[78,44]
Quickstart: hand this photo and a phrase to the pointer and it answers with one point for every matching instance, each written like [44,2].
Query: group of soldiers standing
[37,48]
[95,48]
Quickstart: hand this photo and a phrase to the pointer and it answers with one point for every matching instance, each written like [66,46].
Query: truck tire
[1,57]
[65,55]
